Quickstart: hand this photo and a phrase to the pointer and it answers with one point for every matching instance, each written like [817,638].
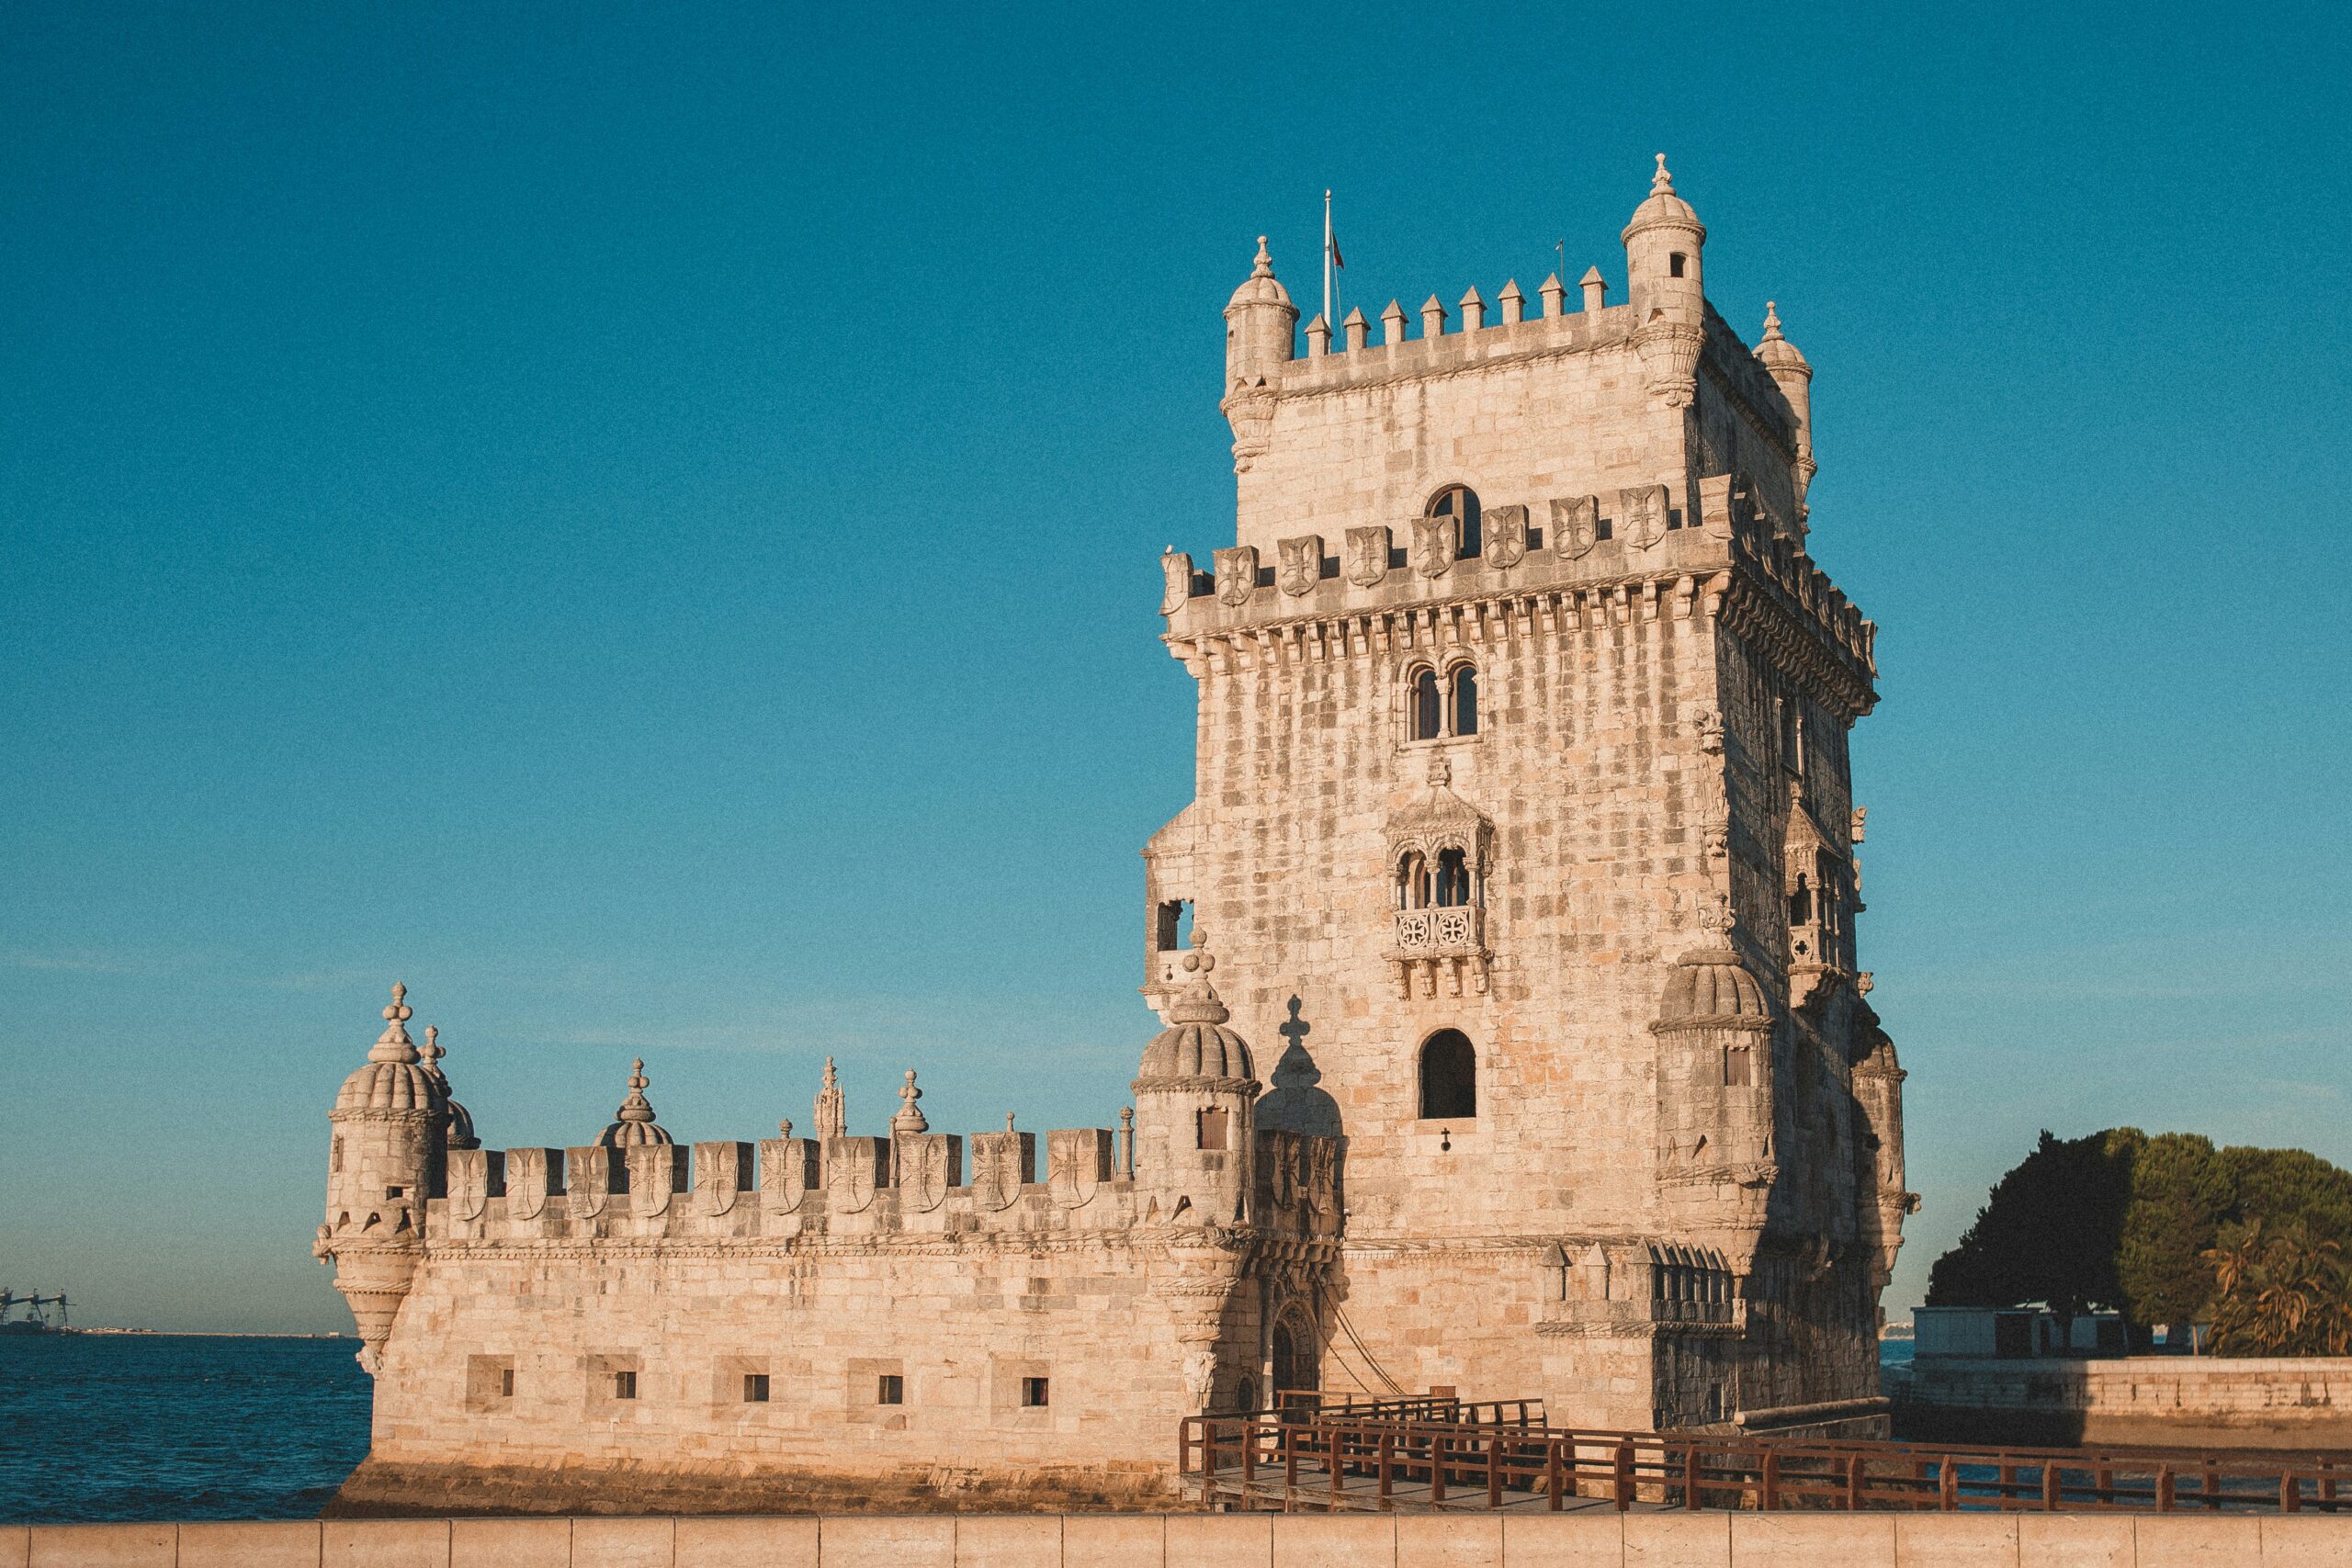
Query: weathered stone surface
[1956,1541]
[623,1543]
[1584,1538]
[748,1543]
[2075,1541]
[510,1543]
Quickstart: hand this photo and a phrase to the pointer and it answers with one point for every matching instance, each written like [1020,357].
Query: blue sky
[641,521]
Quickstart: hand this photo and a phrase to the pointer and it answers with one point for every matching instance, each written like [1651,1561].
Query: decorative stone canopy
[1196,1044]
[1663,206]
[1440,819]
[393,1077]
[1261,287]
[1711,986]
[634,1123]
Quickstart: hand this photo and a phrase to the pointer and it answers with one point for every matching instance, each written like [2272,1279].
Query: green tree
[2142,1225]
[2182,1192]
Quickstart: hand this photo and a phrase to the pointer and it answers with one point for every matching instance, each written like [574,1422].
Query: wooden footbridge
[1423,1455]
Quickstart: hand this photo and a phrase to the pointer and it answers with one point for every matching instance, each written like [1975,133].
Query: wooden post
[1770,1498]
[2327,1484]
[2164,1489]
[1331,1440]
[1288,1437]
[2291,1494]
[2213,1486]
[1623,1465]
[1208,1462]
[1948,1485]
[1249,1454]
[1551,1477]
[1691,1477]
[1854,1483]
[1495,1470]
[2050,1483]
[1437,1470]
[2009,1478]
[1387,1455]
[2105,1479]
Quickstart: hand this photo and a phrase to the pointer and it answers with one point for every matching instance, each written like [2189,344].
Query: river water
[97,1426]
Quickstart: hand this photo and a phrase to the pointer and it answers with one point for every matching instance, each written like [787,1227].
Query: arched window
[1453,879]
[1412,881]
[1465,700]
[1429,705]
[1801,903]
[1449,1077]
[1461,503]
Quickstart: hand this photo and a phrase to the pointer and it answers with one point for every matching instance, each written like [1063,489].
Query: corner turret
[1664,244]
[1791,373]
[1259,322]
[1195,1095]
[387,1157]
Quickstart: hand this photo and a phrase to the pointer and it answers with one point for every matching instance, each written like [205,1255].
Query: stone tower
[391,1128]
[1522,812]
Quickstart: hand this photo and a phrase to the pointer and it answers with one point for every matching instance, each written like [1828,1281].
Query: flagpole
[1327,259]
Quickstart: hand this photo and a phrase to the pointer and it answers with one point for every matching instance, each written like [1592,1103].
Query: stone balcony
[1448,942]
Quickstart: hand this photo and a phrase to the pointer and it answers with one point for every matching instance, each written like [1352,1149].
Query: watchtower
[1522,809]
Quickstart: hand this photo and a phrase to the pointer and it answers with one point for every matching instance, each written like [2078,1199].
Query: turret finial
[1771,323]
[430,1053]
[636,1108]
[393,1045]
[1661,183]
[832,1110]
[1199,1004]
[783,1128]
[1264,264]
[909,1118]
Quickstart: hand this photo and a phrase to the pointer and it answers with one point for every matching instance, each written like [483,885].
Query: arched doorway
[1298,1363]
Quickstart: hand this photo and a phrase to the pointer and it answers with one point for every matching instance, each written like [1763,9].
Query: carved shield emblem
[527,1183]
[1176,567]
[923,1175]
[1236,574]
[588,1184]
[716,1178]
[1506,536]
[851,1178]
[650,1178]
[1575,524]
[1435,542]
[998,1169]
[1076,1161]
[1302,565]
[1367,556]
[784,1173]
[1641,515]
[468,1182]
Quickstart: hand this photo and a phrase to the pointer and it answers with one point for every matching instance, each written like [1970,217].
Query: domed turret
[633,1123]
[387,1157]
[1791,373]
[1714,1031]
[1258,321]
[1664,244]
[1194,1092]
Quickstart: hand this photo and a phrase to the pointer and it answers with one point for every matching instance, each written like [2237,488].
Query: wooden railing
[1442,1454]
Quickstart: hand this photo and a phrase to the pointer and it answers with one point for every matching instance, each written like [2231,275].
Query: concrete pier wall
[2173,1401]
[1590,1540]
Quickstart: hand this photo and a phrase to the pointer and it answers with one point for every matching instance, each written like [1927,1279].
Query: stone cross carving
[909,1118]
[832,1112]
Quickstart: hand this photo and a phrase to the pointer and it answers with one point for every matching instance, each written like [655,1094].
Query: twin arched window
[1443,705]
[1449,1077]
[1448,884]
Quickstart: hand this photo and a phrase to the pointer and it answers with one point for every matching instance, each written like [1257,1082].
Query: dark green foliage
[2134,1223]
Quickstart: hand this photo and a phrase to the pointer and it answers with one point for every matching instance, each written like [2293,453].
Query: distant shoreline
[178,1334]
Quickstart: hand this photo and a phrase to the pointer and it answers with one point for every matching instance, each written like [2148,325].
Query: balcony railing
[1440,932]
